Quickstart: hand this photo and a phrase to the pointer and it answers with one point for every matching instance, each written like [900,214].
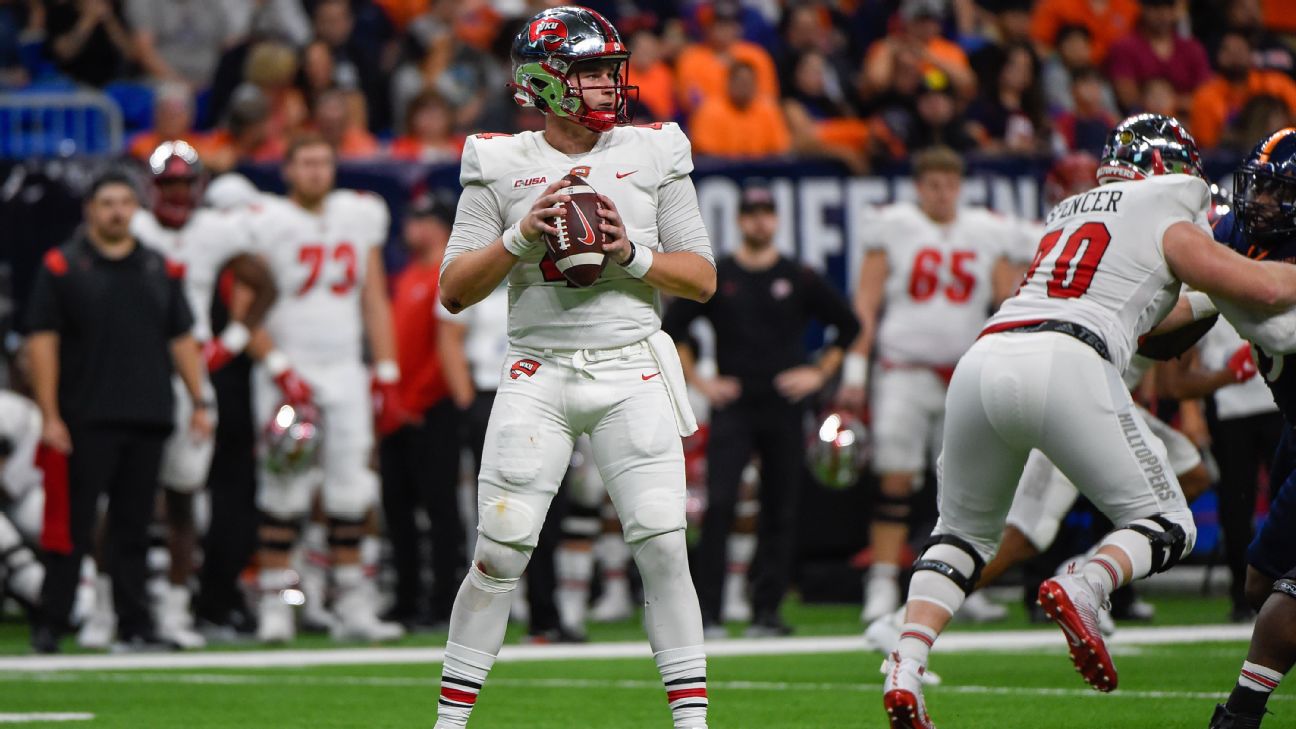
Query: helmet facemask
[1265,205]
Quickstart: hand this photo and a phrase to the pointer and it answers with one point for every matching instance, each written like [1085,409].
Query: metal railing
[59,124]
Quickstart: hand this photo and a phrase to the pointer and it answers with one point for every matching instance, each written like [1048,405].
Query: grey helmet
[545,53]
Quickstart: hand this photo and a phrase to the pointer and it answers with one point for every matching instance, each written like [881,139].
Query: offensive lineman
[932,273]
[581,360]
[1045,375]
[204,242]
[324,247]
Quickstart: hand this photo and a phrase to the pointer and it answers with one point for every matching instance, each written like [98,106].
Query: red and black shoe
[1069,601]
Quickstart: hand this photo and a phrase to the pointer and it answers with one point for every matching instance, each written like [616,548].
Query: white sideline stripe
[431,683]
[1010,640]
[44,716]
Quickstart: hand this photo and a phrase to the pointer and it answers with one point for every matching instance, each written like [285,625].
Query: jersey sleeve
[45,308]
[678,153]
[826,304]
[1175,199]
[472,169]
[874,236]
[1021,240]
[1275,333]
[478,222]
[679,221]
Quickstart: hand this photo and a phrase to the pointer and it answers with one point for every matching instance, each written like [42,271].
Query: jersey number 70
[1071,278]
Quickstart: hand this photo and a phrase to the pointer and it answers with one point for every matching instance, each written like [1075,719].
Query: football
[577,249]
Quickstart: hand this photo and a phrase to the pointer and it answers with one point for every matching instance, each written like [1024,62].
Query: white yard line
[1014,640]
[430,683]
[44,716]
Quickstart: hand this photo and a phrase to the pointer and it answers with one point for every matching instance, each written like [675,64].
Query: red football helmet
[177,182]
[1073,174]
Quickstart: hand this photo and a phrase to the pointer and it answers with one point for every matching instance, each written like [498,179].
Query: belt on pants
[1069,328]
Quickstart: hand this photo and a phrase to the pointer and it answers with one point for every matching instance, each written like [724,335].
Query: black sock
[1247,701]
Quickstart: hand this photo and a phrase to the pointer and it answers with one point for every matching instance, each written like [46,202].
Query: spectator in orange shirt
[429,132]
[1218,101]
[1106,20]
[420,461]
[742,123]
[820,119]
[173,115]
[653,76]
[339,118]
[917,39]
[703,68]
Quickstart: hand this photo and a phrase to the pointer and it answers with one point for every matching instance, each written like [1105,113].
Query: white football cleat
[1071,602]
[100,628]
[883,634]
[174,621]
[882,598]
[276,622]
[355,617]
[614,604]
[979,609]
[902,694]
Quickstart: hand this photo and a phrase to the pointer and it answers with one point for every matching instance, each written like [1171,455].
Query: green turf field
[1164,686]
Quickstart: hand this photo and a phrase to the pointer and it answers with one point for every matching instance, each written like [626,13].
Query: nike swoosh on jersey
[621,175]
[645,378]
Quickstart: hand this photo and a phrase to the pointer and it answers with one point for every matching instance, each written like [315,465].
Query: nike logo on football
[621,175]
[645,378]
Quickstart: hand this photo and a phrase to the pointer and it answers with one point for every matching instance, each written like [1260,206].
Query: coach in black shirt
[760,312]
[107,319]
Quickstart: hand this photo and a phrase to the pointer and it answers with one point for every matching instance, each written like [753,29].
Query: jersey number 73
[1073,271]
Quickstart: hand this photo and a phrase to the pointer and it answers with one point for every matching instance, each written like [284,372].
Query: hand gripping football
[577,249]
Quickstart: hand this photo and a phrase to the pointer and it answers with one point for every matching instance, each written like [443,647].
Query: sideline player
[581,360]
[204,242]
[932,273]
[1263,226]
[1045,375]
[324,247]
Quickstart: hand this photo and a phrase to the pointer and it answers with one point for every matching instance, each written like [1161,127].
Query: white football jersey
[630,165]
[20,422]
[939,289]
[318,262]
[203,246]
[1100,263]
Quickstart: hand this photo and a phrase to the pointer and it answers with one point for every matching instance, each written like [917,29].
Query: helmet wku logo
[549,31]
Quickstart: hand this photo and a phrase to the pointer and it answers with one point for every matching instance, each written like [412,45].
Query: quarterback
[581,360]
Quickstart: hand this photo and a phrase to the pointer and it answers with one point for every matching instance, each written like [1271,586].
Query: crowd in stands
[860,81]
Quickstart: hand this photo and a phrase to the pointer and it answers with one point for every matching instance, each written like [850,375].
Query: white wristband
[276,363]
[386,372]
[641,259]
[514,242]
[235,337]
[855,370]
[1201,305]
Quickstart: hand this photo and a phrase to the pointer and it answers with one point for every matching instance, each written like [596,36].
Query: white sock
[1104,574]
[741,549]
[883,572]
[683,672]
[573,567]
[916,642]
[477,624]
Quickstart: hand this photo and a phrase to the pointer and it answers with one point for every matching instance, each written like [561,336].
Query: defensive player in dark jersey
[1262,225]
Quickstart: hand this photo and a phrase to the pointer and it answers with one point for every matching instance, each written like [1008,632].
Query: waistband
[592,355]
[1069,328]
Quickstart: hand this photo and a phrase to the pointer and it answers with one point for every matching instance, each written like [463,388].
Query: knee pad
[497,567]
[346,533]
[507,520]
[350,495]
[1170,541]
[582,522]
[288,532]
[892,509]
[947,570]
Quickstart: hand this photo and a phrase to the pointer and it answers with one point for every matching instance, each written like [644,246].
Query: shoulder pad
[485,156]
